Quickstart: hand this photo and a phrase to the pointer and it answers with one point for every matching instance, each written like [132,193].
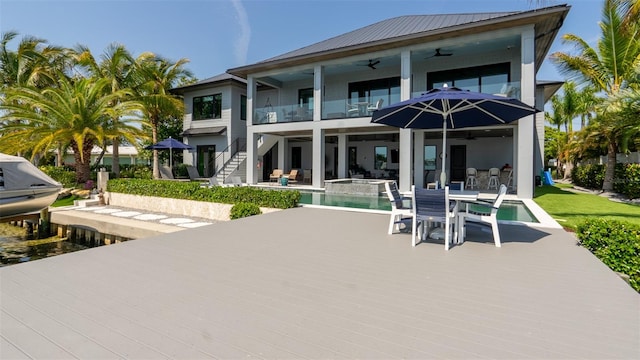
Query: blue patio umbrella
[452,108]
[169,143]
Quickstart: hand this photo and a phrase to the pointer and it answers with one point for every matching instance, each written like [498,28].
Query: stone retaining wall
[207,210]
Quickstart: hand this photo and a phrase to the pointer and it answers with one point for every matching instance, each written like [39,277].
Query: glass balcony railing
[510,89]
[282,114]
[346,108]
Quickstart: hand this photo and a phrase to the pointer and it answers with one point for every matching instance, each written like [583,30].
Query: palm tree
[73,112]
[155,77]
[116,66]
[609,69]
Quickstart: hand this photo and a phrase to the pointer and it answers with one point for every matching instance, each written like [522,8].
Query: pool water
[509,210]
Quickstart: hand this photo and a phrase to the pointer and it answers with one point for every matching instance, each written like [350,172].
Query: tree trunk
[83,161]
[115,164]
[612,149]
[154,138]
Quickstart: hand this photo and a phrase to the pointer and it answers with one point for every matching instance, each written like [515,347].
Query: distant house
[127,154]
[310,109]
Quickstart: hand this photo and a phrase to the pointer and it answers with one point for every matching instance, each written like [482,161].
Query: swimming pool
[509,210]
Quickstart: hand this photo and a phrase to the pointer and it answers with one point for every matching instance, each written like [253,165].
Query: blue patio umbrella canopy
[452,108]
[169,143]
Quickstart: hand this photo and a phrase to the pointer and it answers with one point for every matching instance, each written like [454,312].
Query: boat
[24,189]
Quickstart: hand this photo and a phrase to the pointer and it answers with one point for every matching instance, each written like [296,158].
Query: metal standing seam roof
[389,29]
[548,21]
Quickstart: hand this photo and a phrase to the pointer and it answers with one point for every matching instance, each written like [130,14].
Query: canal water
[16,247]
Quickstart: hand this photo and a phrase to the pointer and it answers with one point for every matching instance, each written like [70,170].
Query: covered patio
[315,283]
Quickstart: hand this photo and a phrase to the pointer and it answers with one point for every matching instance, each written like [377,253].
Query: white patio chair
[400,212]
[472,180]
[483,212]
[494,178]
[373,107]
[433,206]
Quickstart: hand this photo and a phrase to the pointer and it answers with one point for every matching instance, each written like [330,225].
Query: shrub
[190,190]
[61,174]
[626,178]
[244,209]
[615,243]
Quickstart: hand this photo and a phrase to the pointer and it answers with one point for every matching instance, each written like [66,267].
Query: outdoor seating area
[443,213]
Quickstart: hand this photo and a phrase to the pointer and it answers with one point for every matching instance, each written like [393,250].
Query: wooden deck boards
[313,283]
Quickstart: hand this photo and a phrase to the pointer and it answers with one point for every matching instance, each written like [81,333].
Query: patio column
[342,156]
[252,157]
[252,139]
[317,92]
[525,171]
[418,158]
[318,158]
[282,151]
[405,134]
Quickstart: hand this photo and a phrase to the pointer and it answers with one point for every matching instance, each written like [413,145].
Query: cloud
[242,44]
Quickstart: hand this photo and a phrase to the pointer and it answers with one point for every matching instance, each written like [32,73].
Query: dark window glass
[487,79]
[207,107]
[373,90]
[243,107]
[296,157]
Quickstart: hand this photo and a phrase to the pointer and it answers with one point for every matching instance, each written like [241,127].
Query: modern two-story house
[310,109]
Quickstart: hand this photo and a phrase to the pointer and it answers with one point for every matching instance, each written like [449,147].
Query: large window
[243,107]
[373,90]
[380,158]
[207,107]
[488,79]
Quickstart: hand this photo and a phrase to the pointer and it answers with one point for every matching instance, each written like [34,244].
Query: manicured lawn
[570,208]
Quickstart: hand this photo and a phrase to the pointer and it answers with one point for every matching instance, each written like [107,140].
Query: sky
[216,35]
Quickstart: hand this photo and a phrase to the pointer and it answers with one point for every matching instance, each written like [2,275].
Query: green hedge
[187,190]
[244,209]
[615,243]
[626,178]
[61,174]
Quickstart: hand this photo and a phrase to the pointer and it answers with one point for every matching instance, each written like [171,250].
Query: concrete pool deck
[315,283]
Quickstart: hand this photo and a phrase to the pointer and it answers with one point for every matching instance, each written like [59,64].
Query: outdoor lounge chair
[275,175]
[292,175]
[432,206]
[400,213]
[194,175]
[484,212]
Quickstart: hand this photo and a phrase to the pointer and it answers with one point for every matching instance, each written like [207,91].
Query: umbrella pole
[171,158]
[443,174]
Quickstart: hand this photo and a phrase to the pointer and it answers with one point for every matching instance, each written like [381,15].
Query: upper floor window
[488,79]
[372,91]
[243,107]
[207,107]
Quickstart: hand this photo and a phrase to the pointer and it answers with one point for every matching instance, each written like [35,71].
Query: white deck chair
[400,212]
[483,212]
[194,175]
[433,206]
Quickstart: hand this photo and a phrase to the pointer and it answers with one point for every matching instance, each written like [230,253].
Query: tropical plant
[115,65]
[155,77]
[74,112]
[610,68]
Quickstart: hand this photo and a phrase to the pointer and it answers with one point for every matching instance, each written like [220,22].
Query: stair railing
[221,161]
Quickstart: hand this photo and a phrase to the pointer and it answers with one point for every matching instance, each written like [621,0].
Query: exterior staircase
[237,165]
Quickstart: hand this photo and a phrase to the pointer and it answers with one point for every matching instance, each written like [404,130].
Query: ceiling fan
[372,64]
[439,54]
